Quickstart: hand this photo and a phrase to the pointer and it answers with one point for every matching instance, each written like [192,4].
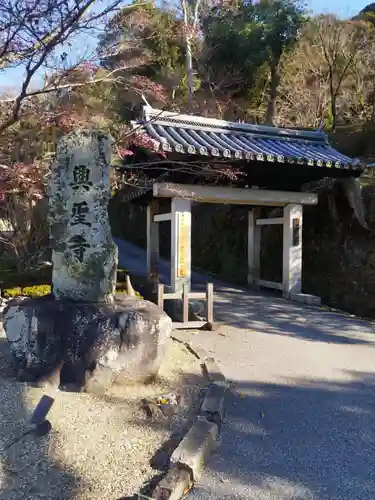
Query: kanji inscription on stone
[84,255]
[81,177]
[79,246]
[79,213]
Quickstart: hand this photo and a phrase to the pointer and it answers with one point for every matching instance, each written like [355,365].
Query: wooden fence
[185,296]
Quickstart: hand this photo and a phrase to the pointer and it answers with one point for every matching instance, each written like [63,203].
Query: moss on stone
[73,268]
[93,268]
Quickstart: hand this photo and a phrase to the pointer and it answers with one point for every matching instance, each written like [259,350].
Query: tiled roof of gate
[196,135]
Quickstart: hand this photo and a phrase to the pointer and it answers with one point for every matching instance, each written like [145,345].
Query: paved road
[134,259]
[301,416]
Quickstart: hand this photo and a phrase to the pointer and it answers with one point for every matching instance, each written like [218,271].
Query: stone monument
[84,336]
[84,255]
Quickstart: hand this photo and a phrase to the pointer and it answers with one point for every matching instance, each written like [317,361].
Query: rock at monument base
[90,345]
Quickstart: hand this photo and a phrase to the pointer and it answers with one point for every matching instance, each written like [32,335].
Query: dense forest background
[265,62]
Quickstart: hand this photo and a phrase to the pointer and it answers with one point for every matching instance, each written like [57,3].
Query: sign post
[180,244]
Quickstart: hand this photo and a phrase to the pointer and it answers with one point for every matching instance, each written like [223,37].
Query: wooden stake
[210,305]
[185,303]
[161,296]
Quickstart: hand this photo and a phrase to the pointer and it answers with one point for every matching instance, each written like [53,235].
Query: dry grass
[100,447]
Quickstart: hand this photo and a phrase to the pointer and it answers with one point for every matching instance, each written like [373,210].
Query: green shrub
[121,288]
[36,291]
[28,291]
[42,290]
[12,292]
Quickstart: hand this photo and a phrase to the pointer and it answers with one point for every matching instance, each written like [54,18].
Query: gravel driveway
[100,448]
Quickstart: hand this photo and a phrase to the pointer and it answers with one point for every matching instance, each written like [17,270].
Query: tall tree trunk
[190,16]
[272,97]
[189,70]
[333,112]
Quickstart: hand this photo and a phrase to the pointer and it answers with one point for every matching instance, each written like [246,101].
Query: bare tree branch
[54,88]
[31,32]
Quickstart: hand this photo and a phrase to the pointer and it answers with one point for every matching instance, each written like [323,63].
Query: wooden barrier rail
[185,295]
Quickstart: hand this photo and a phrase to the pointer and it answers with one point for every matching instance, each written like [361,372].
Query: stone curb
[213,371]
[188,460]
[213,404]
[174,485]
[194,450]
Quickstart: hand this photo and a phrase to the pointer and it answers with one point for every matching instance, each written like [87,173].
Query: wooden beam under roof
[231,195]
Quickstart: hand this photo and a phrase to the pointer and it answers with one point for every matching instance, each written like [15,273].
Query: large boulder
[84,345]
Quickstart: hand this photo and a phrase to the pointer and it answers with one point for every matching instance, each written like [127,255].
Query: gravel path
[99,448]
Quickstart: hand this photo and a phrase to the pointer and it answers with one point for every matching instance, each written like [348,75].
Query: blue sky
[344,8]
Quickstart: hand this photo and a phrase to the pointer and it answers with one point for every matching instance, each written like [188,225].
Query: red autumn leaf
[125,152]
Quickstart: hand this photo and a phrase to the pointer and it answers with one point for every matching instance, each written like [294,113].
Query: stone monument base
[84,346]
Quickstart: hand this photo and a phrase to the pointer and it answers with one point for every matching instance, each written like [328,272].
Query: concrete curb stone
[213,404]
[194,450]
[189,459]
[213,371]
[174,485]
[210,366]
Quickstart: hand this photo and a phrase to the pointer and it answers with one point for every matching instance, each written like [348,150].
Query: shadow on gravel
[175,429]
[305,440]
[27,472]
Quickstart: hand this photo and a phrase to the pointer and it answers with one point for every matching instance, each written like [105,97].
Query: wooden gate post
[253,247]
[152,239]
[292,250]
